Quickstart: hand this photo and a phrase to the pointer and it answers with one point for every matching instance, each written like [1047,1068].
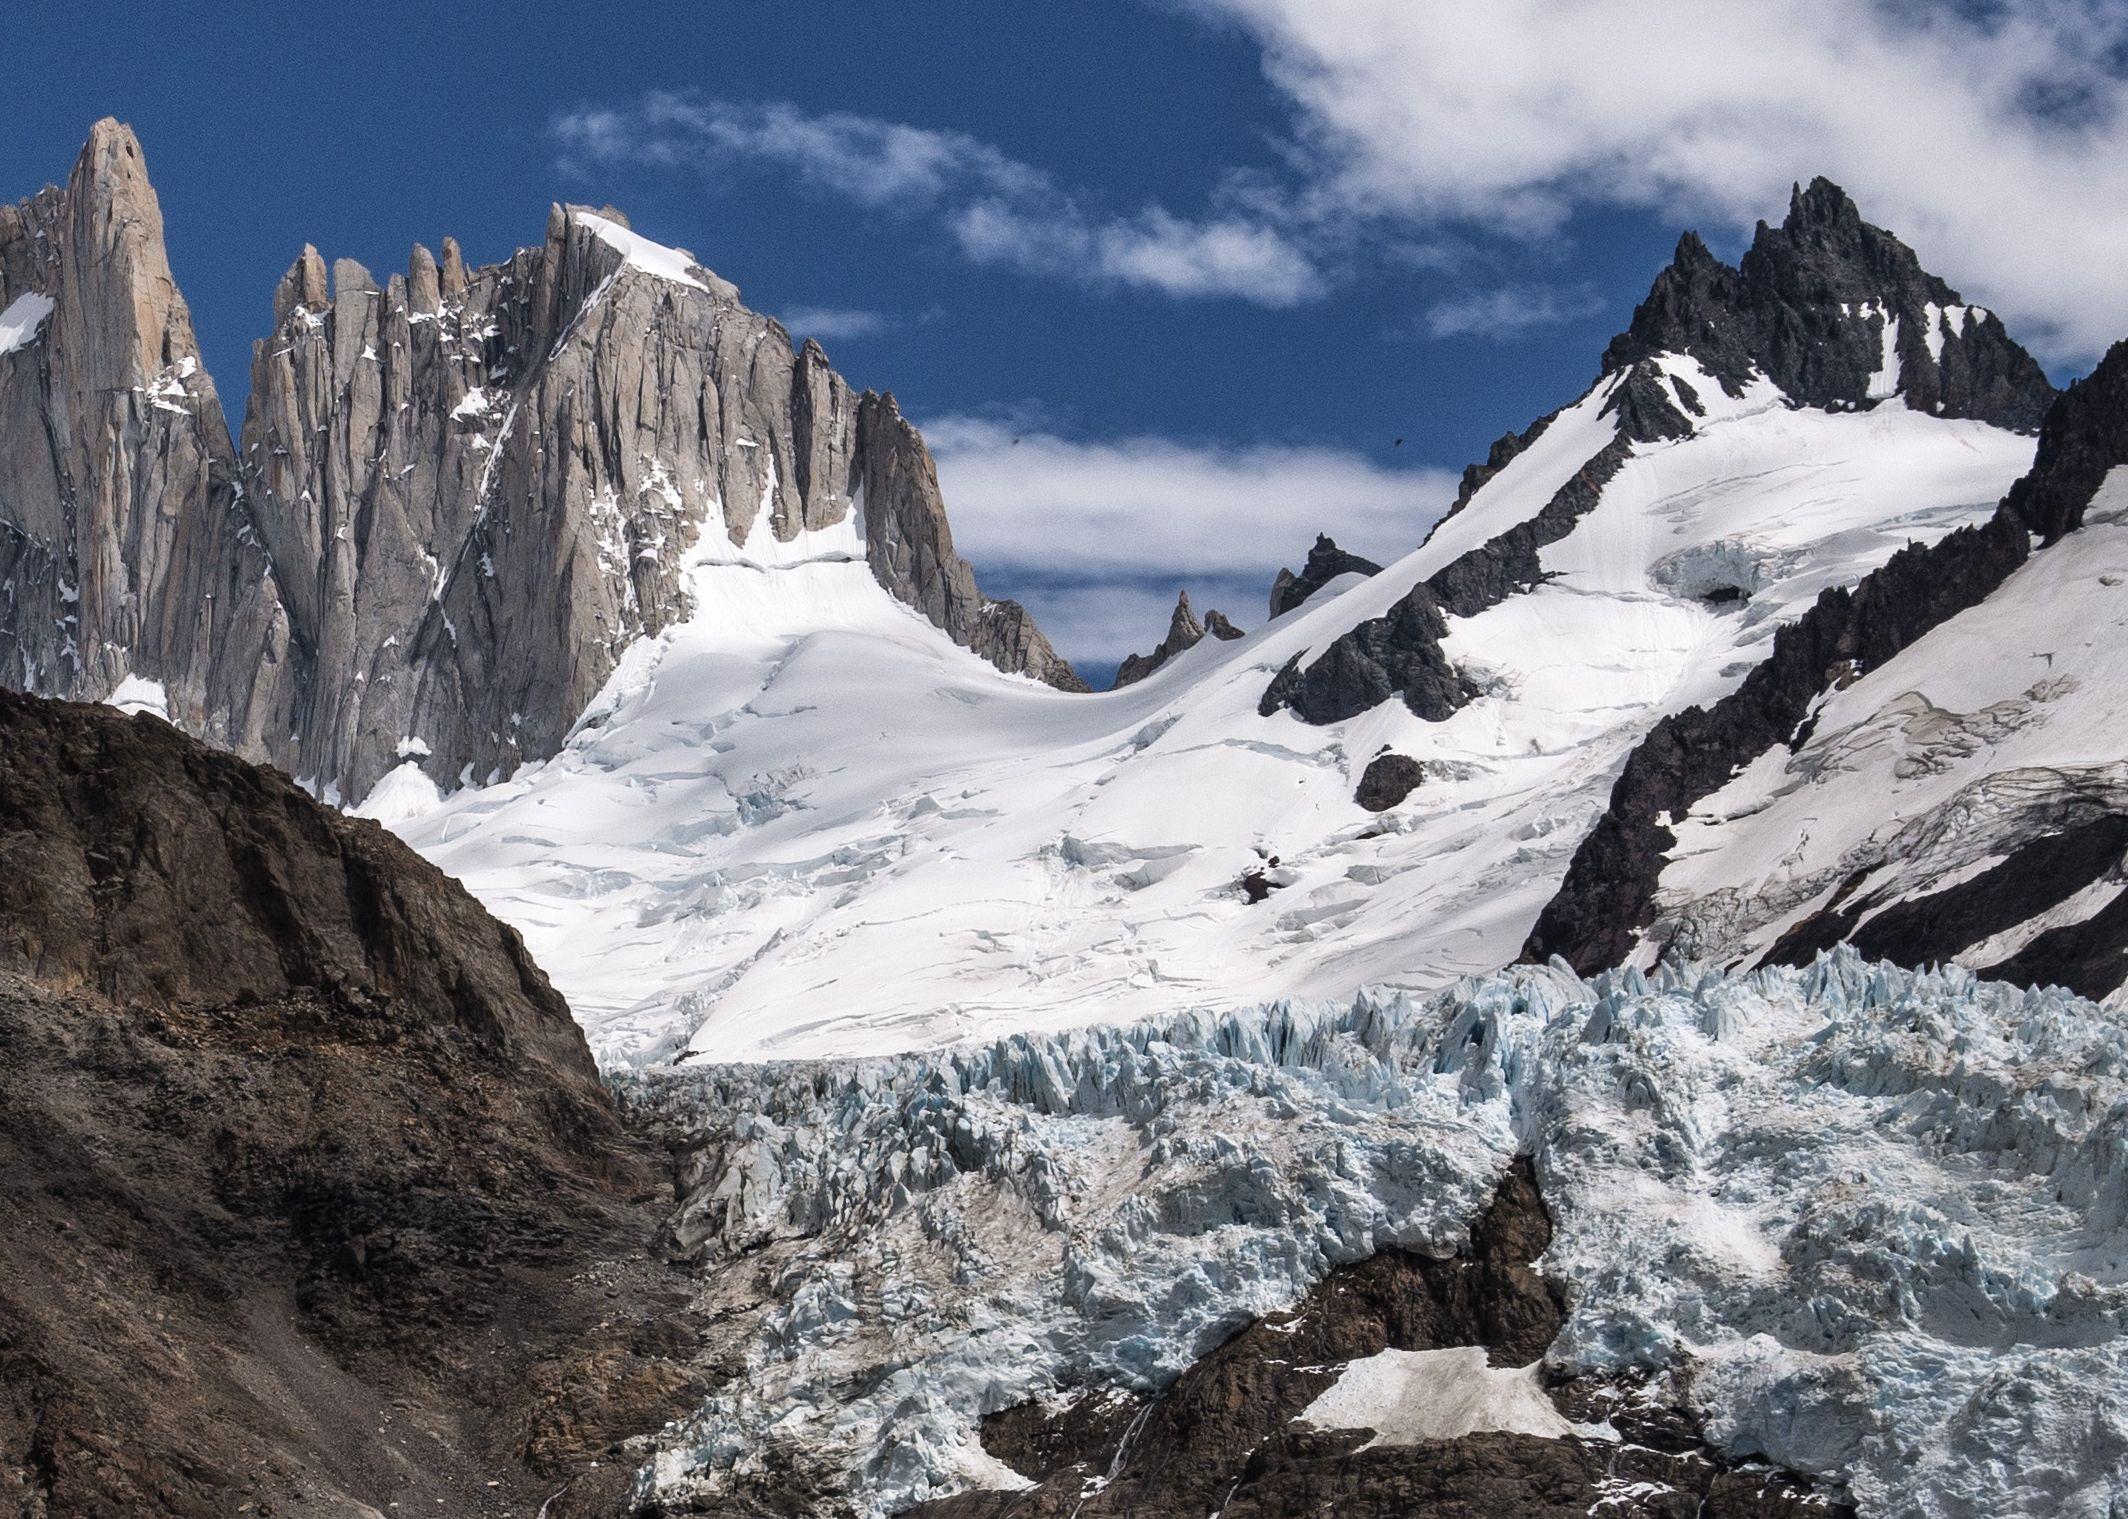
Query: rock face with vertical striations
[126,549]
[502,477]
[460,493]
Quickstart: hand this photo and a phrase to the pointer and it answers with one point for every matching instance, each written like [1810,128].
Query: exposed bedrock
[1326,561]
[1249,1430]
[460,493]
[1184,631]
[315,1203]
[1838,313]
[1399,654]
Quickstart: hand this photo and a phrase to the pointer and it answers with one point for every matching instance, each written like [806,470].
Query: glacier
[804,797]
[1875,1219]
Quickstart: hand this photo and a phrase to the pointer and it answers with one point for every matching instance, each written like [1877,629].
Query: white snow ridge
[1879,1220]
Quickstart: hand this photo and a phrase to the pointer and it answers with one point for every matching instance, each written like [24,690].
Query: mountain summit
[1837,313]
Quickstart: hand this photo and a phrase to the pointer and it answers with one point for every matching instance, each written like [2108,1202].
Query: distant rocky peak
[1184,632]
[1839,314]
[1326,561]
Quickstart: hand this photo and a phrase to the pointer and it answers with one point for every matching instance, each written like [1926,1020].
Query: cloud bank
[1992,136]
[1097,536]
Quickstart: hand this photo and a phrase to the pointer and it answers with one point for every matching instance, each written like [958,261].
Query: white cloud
[1993,138]
[999,210]
[1097,536]
[829,323]
[1154,250]
[1509,312]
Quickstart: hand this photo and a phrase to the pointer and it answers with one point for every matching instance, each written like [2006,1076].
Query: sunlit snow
[803,822]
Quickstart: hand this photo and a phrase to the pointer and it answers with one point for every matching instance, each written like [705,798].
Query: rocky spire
[494,479]
[125,547]
[1184,631]
[1838,313]
[459,495]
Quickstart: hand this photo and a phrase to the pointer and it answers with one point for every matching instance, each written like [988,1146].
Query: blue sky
[1213,257]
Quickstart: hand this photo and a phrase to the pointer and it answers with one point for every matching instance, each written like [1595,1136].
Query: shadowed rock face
[313,1194]
[1818,303]
[460,492]
[1607,899]
[1229,1437]
[1326,561]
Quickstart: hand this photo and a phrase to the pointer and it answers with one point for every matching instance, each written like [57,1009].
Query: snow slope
[1875,1221]
[2002,725]
[803,823]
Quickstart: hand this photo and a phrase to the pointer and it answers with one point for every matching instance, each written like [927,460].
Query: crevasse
[1879,1218]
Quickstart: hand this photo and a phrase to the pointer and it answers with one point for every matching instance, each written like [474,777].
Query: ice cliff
[1876,1219]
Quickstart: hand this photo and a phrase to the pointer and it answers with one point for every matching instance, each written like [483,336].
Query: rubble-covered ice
[1880,1218]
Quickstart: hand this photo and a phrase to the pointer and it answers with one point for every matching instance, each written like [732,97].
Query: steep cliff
[499,478]
[460,494]
[126,549]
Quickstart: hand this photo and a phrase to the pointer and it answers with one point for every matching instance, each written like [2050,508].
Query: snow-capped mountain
[802,823]
[1929,769]
[1074,1104]
[462,494]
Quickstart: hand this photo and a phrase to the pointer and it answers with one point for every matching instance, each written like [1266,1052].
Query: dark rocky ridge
[1184,631]
[1791,309]
[1325,562]
[461,492]
[1222,1439]
[2089,957]
[1606,900]
[315,1202]
[1399,653]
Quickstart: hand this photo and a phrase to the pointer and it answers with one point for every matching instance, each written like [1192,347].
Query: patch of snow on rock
[136,694]
[25,314]
[1408,1397]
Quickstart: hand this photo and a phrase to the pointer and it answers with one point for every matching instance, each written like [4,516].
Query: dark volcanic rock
[1399,653]
[1810,306]
[1606,900]
[1387,780]
[1326,561]
[1223,1439]
[1396,654]
[314,1198]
